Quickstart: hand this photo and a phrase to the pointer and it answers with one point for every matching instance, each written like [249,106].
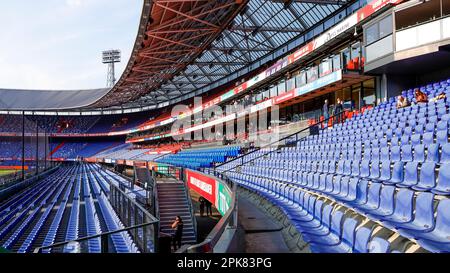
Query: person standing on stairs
[177,225]
[202,202]
[208,207]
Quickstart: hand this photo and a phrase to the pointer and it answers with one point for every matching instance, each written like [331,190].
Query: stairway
[173,201]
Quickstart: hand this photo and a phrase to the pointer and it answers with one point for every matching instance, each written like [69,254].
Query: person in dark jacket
[326,114]
[202,202]
[338,111]
[177,225]
[208,206]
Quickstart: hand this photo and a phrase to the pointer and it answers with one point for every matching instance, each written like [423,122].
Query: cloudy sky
[57,44]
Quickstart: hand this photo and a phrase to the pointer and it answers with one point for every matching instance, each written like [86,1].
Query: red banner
[13,167]
[284,97]
[202,184]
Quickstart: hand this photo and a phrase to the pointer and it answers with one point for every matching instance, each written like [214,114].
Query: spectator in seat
[420,96]
[177,225]
[402,102]
[441,96]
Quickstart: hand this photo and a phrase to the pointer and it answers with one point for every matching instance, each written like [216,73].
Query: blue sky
[57,44]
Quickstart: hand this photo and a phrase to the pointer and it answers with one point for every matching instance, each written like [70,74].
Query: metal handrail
[187,194]
[101,235]
[271,144]
[230,218]
[191,208]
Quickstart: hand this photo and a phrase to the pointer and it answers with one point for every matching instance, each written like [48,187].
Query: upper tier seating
[201,158]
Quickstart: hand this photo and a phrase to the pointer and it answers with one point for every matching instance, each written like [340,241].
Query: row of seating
[201,158]
[25,217]
[324,226]
[389,165]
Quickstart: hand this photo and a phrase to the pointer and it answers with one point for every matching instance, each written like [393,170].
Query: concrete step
[174,205]
[171,215]
[172,199]
[170,206]
[186,233]
[172,193]
[170,186]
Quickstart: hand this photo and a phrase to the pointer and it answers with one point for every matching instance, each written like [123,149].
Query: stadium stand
[73,150]
[387,164]
[201,158]
[68,204]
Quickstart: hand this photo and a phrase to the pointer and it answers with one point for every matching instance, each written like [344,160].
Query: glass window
[282,88]
[290,84]
[311,74]
[337,62]
[346,60]
[346,94]
[325,67]
[368,92]
[371,34]
[273,91]
[418,14]
[356,90]
[445,7]
[355,51]
[385,26]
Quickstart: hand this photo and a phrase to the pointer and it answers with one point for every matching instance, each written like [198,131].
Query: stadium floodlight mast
[111,57]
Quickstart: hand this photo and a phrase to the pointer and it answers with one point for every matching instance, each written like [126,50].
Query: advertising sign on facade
[223,199]
[202,184]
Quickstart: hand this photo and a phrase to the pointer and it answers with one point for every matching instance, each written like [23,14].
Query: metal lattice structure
[187,45]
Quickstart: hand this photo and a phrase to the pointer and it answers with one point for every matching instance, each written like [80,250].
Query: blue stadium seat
[442,137]
[406,153]
[379,245]
[433,153]
[438,239]
[423,217]
[410,177]
[419,153]
[362,239]
[428,138]
[443,182]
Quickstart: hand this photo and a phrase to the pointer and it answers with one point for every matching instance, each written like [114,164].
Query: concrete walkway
[261,233]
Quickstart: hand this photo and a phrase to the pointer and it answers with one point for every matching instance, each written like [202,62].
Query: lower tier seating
[68,204]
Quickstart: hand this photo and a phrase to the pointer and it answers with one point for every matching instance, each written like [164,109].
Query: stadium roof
[187,45]
[16,99]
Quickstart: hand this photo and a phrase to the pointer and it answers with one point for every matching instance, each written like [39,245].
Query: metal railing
[189,199]
[104,240]
[180,172]
[132,213]
[279,143]
[229,220]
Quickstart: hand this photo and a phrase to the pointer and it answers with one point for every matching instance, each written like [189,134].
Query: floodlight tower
[111,57]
